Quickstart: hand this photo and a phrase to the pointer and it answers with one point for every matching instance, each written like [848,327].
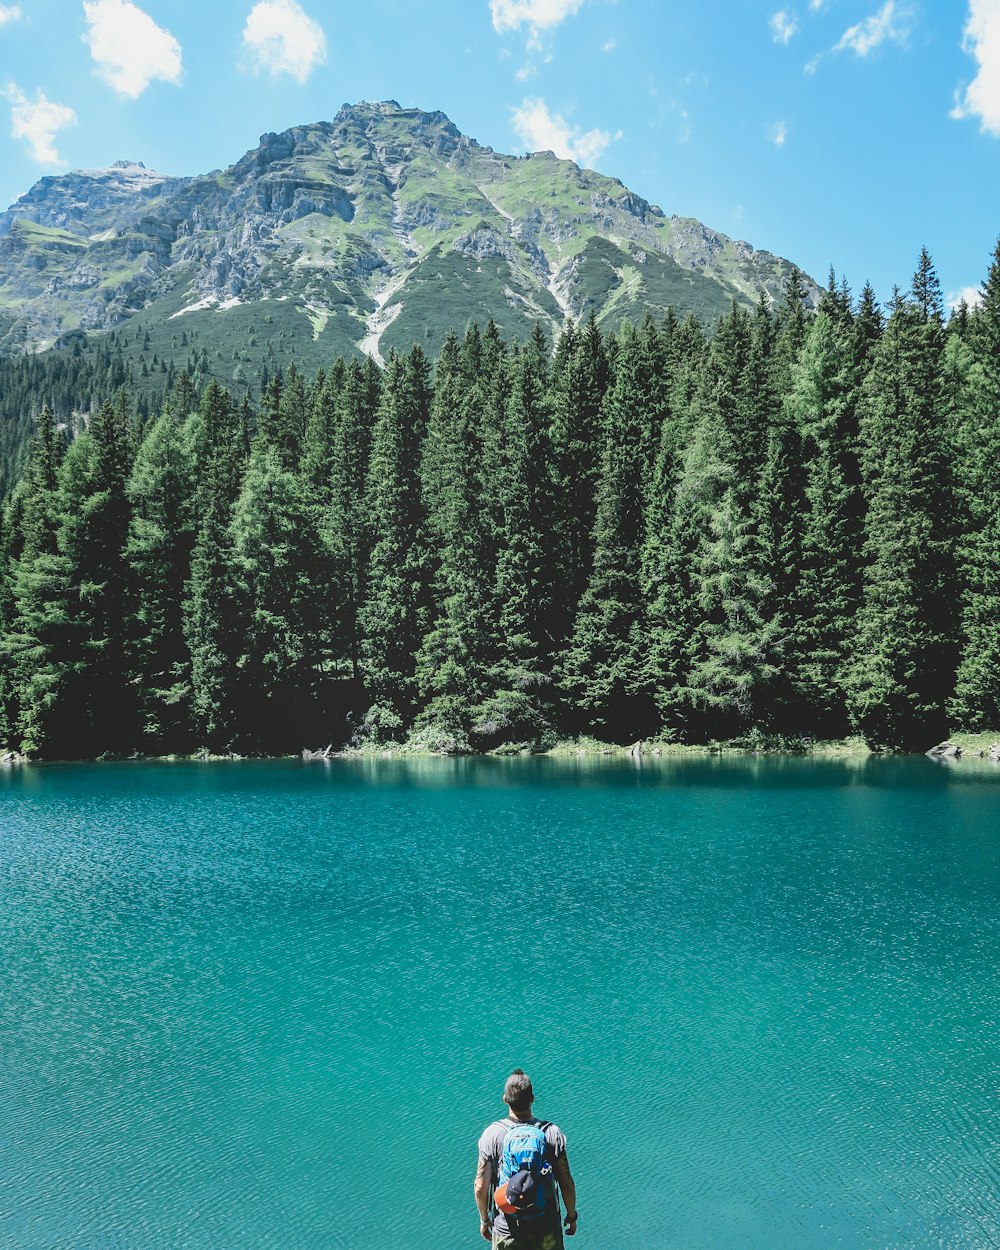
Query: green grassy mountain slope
[379,228]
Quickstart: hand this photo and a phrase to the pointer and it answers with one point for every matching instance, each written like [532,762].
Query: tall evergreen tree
[158,553]
[358,401]
[35,607]
[212,629]
[523,572]
[683,486]
[903,670]
[273,554]
[98,707]
[741,633]
[976,701]
[393,616]
[212,621]
[576,440]
[604,673]
[821,404]
[453,661]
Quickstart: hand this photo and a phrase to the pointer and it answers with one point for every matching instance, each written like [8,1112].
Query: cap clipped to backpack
[518,1194]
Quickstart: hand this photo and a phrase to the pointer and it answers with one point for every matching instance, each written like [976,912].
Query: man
[541,1234]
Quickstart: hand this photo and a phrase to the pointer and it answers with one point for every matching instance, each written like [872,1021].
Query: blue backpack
[525,1168]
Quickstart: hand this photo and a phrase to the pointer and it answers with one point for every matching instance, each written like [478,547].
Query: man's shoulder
[492,1137]
[555,1137]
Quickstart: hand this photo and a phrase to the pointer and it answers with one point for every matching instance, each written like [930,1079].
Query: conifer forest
[782,527]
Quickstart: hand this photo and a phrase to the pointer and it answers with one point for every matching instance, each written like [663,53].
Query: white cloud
[816,5]
[982,40]
[526,72]
[129,48]
[888,24]
[783,26]
[538,14]
[971,295]
[9,13]
[283,39]
[609,46]
[778,134]
[541,131]
[37,122]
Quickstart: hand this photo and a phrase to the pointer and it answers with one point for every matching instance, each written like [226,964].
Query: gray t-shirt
[491,1149]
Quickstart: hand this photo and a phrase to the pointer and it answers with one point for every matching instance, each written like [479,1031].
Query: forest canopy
[787,527]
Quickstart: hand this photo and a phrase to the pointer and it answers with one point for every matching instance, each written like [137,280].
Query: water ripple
[271,1006]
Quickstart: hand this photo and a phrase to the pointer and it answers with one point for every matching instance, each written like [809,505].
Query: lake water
[273,1004]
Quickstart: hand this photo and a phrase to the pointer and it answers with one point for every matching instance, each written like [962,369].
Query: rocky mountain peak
[383,226]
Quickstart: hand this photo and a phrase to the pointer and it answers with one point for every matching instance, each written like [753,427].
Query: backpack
[523,1162]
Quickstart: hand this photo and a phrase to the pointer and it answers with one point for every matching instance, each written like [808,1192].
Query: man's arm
[567,1187]
[482,1187]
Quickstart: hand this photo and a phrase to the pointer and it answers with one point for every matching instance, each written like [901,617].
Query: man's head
[517,1093]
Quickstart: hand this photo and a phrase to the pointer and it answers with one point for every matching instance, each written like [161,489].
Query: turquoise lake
[273,1004]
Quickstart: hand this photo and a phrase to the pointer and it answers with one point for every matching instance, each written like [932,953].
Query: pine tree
[392,618]
[487,397]
[868,328]
[674,508]
[158,552]
[212,628]
[904,666]
[319,442]
[213,624]
[792,327]
[604,673]
[357,404]
[453,660]
[576,441]
[523,572]
[98,706]
[976,701]
[742,632]
[219,448]
[322,607]
[35,622]
[822,404]
[272,575]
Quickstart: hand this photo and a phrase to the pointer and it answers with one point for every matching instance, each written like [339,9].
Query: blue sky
[843,132]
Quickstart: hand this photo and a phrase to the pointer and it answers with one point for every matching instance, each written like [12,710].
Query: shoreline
[975,746]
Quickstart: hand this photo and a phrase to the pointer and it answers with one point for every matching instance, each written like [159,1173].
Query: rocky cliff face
[382,227]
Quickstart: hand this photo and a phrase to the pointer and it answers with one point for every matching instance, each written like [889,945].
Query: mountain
[383,227]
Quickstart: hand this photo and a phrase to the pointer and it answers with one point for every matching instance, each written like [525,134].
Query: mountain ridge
[382,227]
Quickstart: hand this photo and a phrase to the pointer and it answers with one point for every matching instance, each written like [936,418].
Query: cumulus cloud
[282,38]
[9,13]
[128,47]
[981,97]
[541,131]
[37,122]
[778,134]
[889,24]
[969,295]
[538,14]
[783,26]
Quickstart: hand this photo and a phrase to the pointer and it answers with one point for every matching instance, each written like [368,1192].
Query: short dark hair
[517,1091]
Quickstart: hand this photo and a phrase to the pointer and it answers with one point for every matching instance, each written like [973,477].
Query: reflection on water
[244,1004]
